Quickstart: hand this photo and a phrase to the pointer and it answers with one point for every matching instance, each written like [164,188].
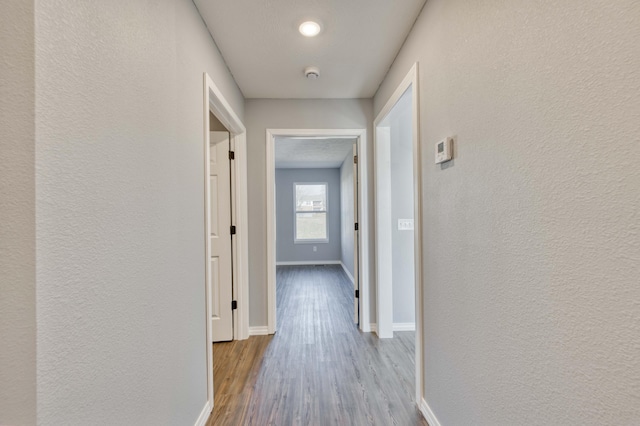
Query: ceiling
[300,153]
[266,54]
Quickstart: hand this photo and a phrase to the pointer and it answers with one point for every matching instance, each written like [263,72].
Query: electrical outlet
[315,248]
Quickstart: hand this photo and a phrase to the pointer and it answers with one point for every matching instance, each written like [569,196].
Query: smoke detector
[312,73]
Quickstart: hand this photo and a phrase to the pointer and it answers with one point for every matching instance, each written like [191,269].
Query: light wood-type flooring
[318,369]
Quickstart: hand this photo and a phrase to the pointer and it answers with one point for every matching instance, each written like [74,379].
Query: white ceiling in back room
[267,55]
[314,153]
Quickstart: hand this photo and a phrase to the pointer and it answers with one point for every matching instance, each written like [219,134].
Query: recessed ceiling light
[309,29]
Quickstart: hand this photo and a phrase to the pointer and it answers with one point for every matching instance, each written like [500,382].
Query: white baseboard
[404,326]
[309,262]
[427,412]
[346,271]
[204,415]
[259,331]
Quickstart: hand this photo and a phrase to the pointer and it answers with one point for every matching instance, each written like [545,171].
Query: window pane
[311,226]
[311,198]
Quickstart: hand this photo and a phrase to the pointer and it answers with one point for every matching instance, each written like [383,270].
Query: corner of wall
[17,209]
[428,414]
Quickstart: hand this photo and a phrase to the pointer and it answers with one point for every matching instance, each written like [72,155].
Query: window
[310,201]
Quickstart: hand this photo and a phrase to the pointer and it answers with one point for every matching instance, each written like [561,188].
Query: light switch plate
[405,224]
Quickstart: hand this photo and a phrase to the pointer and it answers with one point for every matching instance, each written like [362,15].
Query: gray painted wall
[347,232]
[287,250]
[403,263]
[531,250]
[120,230]
[262,114]
[17,210]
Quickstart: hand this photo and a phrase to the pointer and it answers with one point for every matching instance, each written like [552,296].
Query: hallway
[318,369]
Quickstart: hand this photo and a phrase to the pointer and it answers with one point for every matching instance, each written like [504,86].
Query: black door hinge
[234,305]
[357,294]
[233,230]
[355,159]
[232,155]
[356,226]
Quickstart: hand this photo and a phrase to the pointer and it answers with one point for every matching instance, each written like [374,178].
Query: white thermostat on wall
[444,150]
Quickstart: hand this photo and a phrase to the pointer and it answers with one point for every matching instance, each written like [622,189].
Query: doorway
[398,219]
[316,207]
[360,280]
[395,234]
[217,110]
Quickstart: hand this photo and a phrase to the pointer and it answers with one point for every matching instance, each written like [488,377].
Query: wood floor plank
[318,369]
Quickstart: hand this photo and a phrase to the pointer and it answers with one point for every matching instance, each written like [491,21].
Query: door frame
[215,103]
[363,217]
[410,80]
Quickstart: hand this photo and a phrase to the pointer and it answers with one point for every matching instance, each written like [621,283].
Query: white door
[356,284]
[220,237]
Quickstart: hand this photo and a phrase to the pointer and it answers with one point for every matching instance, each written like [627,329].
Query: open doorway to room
[316,213]
[398,216]
[395,233]
[225,224]
[312,216]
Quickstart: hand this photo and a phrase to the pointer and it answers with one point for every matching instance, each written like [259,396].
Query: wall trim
[346,271]
[404,326]
[428,414]
[309,262]
[261,330]
[363,216]
[373,328]
[204,415]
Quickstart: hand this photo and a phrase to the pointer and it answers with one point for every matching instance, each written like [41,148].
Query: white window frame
[295,214]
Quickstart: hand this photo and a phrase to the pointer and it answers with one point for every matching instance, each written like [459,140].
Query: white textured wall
[262,114]
[120,229]
[17,215]
[347,232]
[532,235]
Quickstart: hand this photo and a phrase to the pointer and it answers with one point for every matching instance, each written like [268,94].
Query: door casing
[214,102]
